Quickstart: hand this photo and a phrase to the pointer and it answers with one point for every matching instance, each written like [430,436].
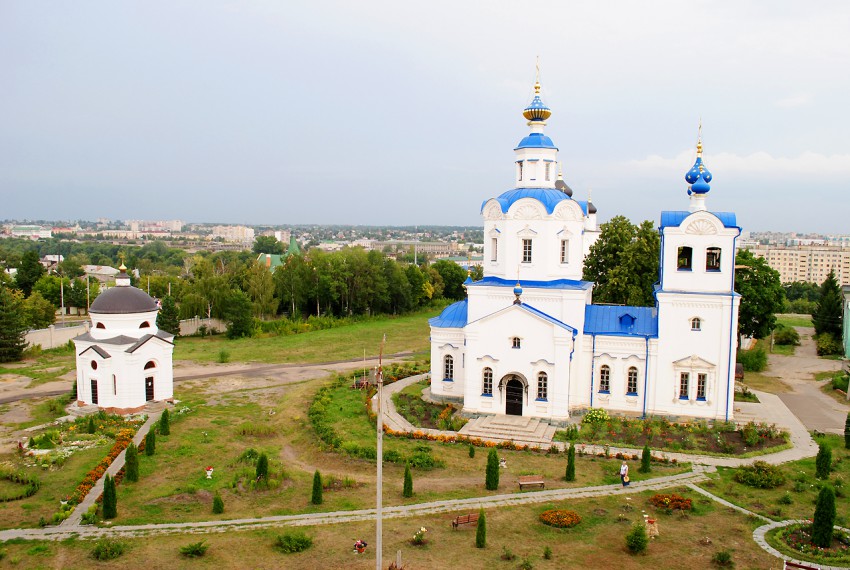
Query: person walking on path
[624,474]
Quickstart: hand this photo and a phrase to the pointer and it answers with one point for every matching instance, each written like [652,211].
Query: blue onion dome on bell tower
[518,293]
[698,176]
[537,109]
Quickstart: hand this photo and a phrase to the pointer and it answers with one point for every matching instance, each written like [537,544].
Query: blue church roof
[549,318]
[618,320]
[549,197]
[675,218]
[453,316]
[526,285]
[536,140]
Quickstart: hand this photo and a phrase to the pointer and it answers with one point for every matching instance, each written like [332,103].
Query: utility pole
[379,379]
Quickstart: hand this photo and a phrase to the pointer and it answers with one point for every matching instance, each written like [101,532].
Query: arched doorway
[513,396]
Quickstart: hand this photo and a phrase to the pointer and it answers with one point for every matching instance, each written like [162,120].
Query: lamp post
[379,380]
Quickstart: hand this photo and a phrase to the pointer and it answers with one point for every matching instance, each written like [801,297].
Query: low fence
[54,336]
[192,326]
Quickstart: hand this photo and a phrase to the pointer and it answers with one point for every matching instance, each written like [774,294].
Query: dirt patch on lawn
[202,496]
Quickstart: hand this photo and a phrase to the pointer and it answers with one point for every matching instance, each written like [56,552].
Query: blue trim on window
[684,398]
[684,269]
[604,391]
[490,395]
[712,270]
[631,393]
[448,380]
[701,399]
[541,400]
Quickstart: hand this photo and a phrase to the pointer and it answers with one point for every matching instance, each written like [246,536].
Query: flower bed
[27,485]
[672,502]
[122,440]
[560,518]
[798,538]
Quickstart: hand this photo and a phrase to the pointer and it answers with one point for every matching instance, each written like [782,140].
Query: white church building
[528,340]
[124,361]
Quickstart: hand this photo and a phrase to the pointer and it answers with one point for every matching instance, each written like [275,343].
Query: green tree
[218,504]
[624,263]
[570,474]
[165,423]
[491,482]
[131,463]
[260,288]
[645,460]
[823,461]
[168,318]
[91,428]
[29,272]
[110,498]
[847,432]
[39,313]
[829,311]
[150,443]
[637,539]
[408,482]
[316,497]
[453,277]
[824,519]
[239,316]
[761,293]
[481,530]
[267,244]
[12,325]
[262,472]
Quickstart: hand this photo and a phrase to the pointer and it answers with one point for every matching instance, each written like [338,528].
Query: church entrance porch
[149,389]
[513,397]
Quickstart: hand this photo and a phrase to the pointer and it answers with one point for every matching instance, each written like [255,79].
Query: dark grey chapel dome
[123,300]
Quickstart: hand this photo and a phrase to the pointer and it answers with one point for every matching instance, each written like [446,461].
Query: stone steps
[519,429]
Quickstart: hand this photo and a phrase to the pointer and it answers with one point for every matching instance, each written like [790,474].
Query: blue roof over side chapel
[553,284]
[453,316]
[549,197]
[619,320]
[675,218]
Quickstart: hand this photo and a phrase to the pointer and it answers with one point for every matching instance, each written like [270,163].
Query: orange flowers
[560,518]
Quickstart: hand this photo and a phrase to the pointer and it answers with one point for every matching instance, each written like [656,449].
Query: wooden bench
[360,385]
[471,518]
[789,564]
[531,481]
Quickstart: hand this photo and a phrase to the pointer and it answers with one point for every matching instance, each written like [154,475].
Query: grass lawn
[765,383]
[800,487]
[793,320]
[404,333]
[47,366]
[597,542]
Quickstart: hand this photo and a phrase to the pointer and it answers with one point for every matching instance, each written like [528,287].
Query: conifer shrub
[824,518]
[293,541]
[316,498]
[481,530]
[408,482]
[131,463]
[472,447]
[262,471]
[761,475]
[194,549]
[570,474]
[847,432]
[107,549]
[110,498]
[150,443]
[823,462]
[491,482]
[90,427]
[645,460]
[164,423]
[637,539]
[723,559]
[218,504]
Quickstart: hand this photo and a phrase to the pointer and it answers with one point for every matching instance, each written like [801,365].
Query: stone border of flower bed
[760,536]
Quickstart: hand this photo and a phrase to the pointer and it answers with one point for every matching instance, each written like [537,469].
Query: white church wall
[447,342]
[127,324]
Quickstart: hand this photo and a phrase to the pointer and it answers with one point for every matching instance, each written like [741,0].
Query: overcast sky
[397,113]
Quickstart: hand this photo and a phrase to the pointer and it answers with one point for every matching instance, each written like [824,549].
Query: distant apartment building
[157,226]
[810,263]
[433,248]
[280,235]
[240,234]
[31,232]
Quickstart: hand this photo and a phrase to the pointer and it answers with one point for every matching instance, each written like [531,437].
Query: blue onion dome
[537,110]
[518,293]
[700,186]
[699,172]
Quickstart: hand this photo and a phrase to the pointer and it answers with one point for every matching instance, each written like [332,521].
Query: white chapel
[124,361]
[528,340]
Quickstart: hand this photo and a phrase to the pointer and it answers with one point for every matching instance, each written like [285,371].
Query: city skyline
[389,114]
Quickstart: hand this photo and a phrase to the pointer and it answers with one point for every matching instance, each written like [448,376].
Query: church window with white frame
[526,251]
[542,386]
[519,170]
[712,259]
[494,249]
[631,388]
[684,258]
[605,378]
[684,385]
[448,367]
[702,381]
[565,251]
[548,169]
[696,324]
[487,385]
[516,342]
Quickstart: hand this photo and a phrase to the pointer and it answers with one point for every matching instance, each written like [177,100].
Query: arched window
[684,385]
[519,171]
[605,378]
[542,386]
[487,385]
[150,364]
[684,258]
[515,342]
[100,326]
[712,259]
[94,365]
[448,367]
[631,386]
[696,324]
[145,325]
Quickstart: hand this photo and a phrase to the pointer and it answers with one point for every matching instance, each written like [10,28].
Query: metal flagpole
[379,379]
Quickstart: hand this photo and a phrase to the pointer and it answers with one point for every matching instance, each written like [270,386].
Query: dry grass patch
[765,383]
